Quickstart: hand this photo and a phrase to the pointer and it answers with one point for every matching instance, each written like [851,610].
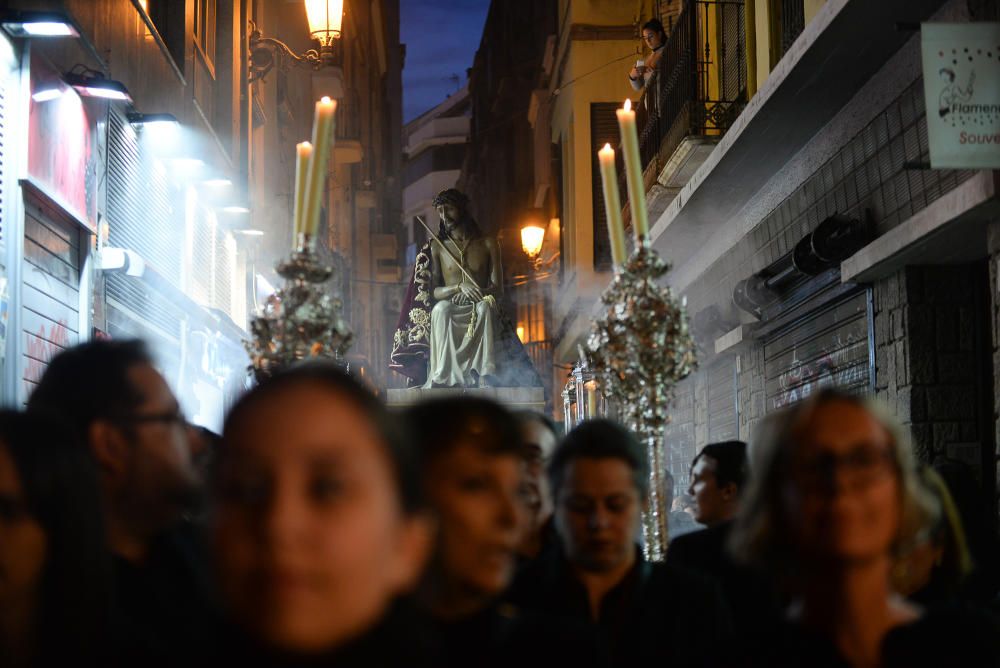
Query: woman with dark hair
[317,528]
[55,578]
[655,37]
[834,499]
[475,478]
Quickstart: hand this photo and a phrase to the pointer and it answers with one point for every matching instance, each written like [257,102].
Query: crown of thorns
[451,196]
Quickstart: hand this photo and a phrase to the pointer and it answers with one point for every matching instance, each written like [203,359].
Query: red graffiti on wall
[40,348]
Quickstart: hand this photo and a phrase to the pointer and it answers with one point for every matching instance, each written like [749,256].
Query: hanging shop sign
[62,161]
[961,65]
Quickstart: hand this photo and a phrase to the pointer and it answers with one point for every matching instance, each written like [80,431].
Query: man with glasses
[122,409]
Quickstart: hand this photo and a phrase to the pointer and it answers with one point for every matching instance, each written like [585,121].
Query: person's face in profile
[158,471]
[479,500]
[597,513]
[23,546]
[311,543]
[540,443]
[712,503]
[842,495]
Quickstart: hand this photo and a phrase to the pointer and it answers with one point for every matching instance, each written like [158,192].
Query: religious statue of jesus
[466,281]
[452,327]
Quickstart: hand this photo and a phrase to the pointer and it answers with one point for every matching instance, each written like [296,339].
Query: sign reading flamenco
[961,63]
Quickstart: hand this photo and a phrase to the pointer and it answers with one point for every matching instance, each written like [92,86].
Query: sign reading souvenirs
[961,63]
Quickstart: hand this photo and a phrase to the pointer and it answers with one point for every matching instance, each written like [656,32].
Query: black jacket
[658,615]
[939,638]
[748,593]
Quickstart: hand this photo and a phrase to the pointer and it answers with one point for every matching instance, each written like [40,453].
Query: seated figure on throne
[452,330]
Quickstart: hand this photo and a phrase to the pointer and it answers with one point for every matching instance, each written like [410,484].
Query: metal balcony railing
[793,21]
[700,83]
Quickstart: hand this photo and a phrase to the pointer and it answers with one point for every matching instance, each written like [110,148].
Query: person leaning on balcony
[655,38]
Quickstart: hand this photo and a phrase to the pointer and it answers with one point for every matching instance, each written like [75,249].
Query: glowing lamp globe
[325,19]
[532,237]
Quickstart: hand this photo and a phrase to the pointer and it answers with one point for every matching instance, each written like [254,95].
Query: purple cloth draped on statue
[411,342]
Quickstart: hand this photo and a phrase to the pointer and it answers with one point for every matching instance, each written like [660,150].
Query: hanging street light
[325,19]
[325,22]
[532,237]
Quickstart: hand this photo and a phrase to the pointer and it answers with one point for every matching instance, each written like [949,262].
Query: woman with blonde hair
[834,499]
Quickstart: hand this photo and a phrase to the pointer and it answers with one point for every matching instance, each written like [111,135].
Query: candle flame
[607,147]
[325,99]
[628,105]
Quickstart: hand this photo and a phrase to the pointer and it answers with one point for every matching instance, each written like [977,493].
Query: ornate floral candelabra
[301,320]
[640,348]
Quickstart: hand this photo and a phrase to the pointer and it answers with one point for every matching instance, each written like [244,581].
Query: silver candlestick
[640,349]
[301,320]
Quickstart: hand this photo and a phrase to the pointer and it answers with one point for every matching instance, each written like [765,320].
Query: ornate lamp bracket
[266,52]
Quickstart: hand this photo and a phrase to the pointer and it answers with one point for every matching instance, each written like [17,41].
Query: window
[204,28]
[603,129]
[168,18]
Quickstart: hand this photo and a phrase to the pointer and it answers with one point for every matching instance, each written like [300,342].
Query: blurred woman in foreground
[834,499]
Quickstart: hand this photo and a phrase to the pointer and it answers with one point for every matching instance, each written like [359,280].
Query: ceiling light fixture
[94,84]
[38,24]
[153,120]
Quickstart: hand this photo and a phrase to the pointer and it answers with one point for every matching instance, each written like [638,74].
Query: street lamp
[532,237]
[325,19]
[325,22]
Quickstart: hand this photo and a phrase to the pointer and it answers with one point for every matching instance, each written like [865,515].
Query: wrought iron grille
[793,21]
[700,83]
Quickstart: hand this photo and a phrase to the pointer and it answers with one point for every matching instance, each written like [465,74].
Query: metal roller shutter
[50,291]
[829,346]
[723,412]
[680,438]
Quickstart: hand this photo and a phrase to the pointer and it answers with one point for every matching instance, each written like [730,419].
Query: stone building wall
[931,349]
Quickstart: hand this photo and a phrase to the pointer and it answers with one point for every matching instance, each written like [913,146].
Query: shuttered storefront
[829,345]
[142,218]
[680,438]
[50,290]
[723,412]
[8,82]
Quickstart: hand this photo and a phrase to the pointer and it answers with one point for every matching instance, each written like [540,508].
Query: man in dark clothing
[122,410]
[718,475]
[647,613]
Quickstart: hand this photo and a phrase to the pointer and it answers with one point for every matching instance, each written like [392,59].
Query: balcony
[697,91]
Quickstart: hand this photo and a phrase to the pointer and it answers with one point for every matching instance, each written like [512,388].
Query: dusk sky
[441,38]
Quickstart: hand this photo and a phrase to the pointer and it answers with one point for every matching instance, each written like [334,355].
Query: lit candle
[322,141]
[612,204]
[633,172]
[590,389]
[303,151]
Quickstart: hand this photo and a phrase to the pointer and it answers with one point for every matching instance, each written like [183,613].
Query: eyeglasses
[859,467]
[173,417]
